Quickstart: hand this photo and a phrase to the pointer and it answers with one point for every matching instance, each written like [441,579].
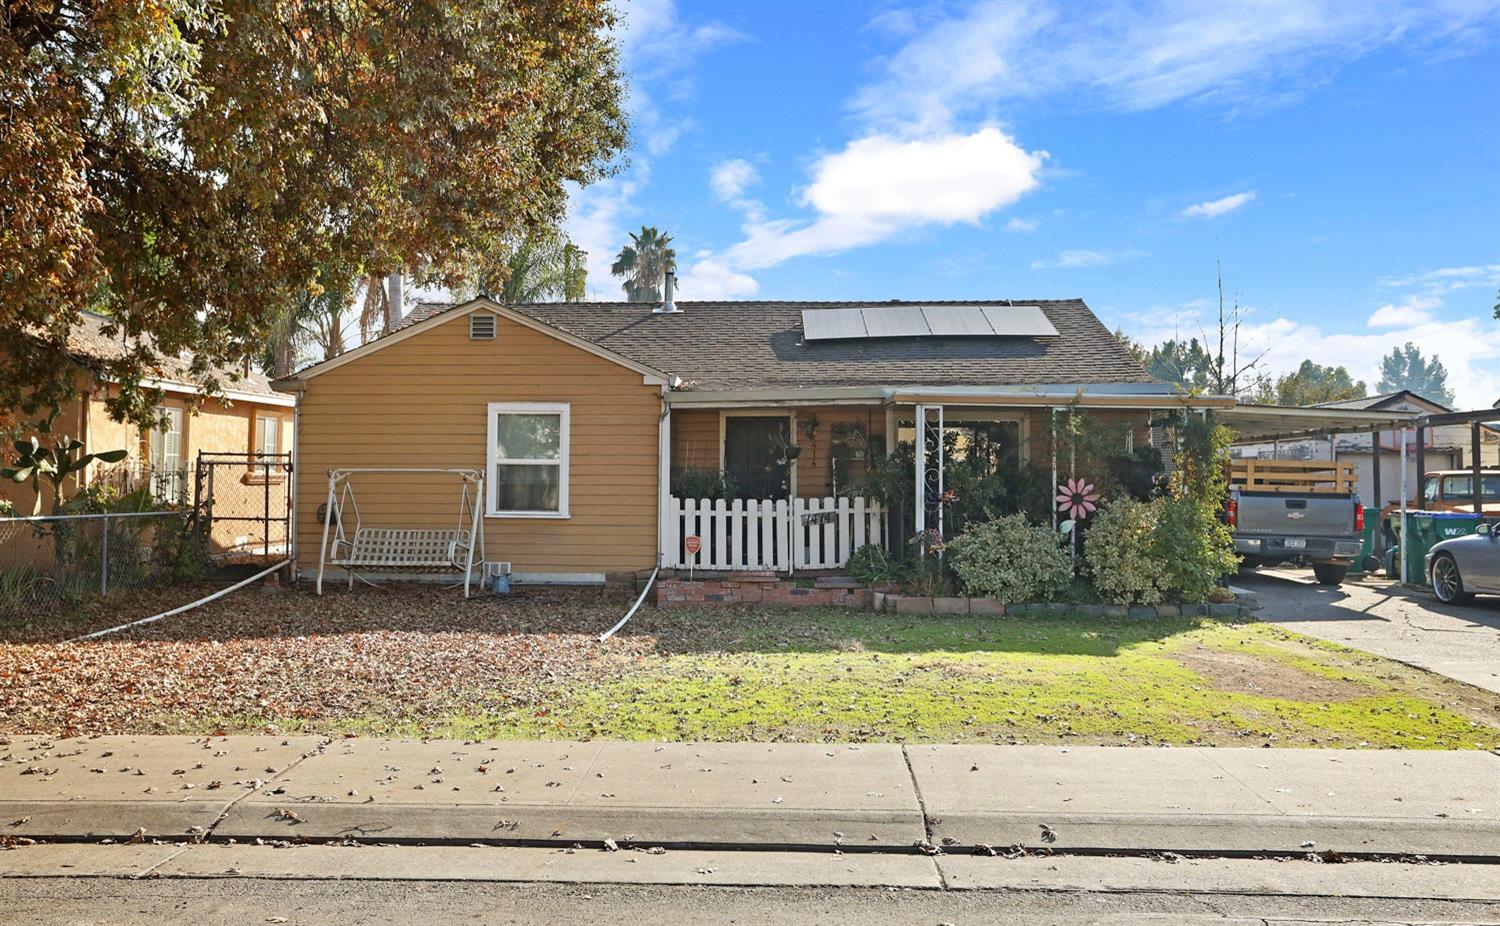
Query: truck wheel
[1447,584]
[1330,573]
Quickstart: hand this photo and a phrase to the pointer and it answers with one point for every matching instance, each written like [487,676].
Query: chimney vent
[669,295]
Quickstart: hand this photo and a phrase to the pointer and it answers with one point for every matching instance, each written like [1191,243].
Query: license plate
[1295,543]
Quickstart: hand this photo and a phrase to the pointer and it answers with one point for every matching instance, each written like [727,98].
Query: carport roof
[1263,422]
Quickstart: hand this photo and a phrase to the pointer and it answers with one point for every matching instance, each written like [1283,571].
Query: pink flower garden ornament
[1076,498]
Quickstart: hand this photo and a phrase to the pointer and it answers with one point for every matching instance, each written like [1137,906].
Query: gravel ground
[407,652]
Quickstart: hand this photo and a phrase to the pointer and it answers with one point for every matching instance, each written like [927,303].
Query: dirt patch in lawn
[1268,678]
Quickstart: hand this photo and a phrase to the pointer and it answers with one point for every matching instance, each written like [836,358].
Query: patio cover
[1267,422]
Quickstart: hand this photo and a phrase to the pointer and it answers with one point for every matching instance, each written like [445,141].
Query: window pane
[528,437]
[526,487]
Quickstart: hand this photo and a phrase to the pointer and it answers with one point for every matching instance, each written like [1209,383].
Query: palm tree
[315,321]
[643,263]
[542,266]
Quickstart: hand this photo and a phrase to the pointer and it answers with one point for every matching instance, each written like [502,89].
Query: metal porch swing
[400,548]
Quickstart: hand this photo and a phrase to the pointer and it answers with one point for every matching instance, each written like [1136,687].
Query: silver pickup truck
[1307,527]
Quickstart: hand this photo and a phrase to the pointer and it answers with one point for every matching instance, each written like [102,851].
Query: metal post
[942,433]
[266,513]
[1379,500]
[104,557]
[1401,550]
[1421,458]
[1474,449]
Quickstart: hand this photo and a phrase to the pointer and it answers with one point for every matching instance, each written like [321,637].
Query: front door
[755,456]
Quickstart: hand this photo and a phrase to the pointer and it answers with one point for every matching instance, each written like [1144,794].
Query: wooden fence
[765,534]
[1255,475]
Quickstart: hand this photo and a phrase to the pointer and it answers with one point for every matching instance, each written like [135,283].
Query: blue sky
[1342,159]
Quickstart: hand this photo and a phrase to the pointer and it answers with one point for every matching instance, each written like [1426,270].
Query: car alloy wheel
[1446,583]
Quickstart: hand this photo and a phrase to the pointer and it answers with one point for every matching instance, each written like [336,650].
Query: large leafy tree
[1405,368]
[1312,384]
[642,264]
[1185,363]
[188,166]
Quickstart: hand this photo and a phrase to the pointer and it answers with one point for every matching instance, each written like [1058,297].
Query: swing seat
[404,548]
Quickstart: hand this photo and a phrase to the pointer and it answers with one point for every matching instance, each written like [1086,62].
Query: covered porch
[797,480]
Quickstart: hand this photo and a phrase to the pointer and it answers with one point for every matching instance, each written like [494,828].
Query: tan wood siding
[697,437]
[423,402]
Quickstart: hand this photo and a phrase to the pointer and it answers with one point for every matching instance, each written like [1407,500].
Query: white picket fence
[781,535]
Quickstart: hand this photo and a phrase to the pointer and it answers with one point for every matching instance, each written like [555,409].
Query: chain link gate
[243,503]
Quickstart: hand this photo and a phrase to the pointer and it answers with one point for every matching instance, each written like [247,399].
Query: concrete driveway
[1379,616]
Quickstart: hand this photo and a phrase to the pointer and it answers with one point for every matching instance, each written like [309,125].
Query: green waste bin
[1427,529]
[1367,561]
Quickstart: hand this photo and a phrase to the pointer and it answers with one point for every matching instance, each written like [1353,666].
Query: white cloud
[1022,225]
[711,278]
[1141,56]
[1068,260]
[1413,310]
[945,179]
[1449,279]
[879,186]
[730,179]
[1217,207]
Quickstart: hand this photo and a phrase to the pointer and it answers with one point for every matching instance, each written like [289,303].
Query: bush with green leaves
[872,564]
[1196,547]
[1123,555]
[1011,559]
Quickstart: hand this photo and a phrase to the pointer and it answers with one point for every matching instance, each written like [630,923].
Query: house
[579,413]
[1444,446]
[249,418]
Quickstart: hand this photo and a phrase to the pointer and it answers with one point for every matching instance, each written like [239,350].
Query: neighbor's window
[528,460]
[164,446]
[267,441]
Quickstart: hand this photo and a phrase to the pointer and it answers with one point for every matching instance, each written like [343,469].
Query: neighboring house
[1446,447]
[579,412]
[250,418]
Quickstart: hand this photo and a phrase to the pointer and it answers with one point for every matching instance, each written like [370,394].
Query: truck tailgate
[1305,515]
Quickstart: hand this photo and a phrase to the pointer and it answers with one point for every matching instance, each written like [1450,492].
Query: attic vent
[481,327]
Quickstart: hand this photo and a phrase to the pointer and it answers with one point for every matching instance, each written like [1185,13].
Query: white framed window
[168,479]
[267,441]
[528,459]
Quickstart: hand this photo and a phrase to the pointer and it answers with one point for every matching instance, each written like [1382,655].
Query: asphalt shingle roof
[88,341]
[749,345]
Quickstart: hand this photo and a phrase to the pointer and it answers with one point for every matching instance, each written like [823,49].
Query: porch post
[919,488]
[1053,487]
[1377,502]
[663,481]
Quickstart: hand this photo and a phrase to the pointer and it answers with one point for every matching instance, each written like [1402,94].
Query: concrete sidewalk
[752,796]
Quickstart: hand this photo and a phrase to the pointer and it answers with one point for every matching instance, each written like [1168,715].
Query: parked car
[1462,566]
[1299,511]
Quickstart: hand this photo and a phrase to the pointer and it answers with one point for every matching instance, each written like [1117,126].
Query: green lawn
[766,674]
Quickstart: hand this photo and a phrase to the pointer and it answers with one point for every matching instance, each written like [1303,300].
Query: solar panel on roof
[957,320]
[893,322]
[1023,321]
[890,321]
[832,324]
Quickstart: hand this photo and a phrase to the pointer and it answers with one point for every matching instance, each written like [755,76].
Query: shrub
[1122,553]
[1197,548]
[693,482]
[1012,559]
[871,565]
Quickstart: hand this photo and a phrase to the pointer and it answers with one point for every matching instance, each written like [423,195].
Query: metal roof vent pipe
[669,295]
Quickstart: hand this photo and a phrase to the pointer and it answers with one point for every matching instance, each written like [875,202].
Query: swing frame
[421,549]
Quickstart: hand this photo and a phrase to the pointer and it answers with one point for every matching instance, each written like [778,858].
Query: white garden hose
[188,607]
[633,608]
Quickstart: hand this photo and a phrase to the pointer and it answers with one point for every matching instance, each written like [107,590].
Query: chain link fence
[61,562]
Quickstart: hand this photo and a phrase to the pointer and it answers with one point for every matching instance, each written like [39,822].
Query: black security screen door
[754,456]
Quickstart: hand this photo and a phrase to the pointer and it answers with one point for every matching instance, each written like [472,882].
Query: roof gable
[412,327]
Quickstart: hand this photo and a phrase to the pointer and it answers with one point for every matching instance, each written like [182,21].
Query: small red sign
[692,543]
